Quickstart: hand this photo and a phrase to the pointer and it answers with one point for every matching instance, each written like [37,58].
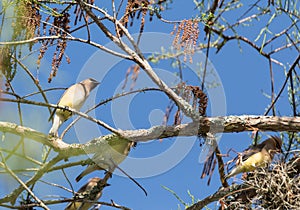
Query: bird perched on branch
[110,153]
[74,97]
[112,150]
[257,156]
[88,189]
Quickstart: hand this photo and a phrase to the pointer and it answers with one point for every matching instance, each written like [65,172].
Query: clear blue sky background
[244,76]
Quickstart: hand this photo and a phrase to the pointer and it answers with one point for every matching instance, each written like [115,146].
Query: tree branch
[139,59]
[218,124]
[84,115]
[227,124]
[222,192]
[68,38]
[13,196]
[23,184]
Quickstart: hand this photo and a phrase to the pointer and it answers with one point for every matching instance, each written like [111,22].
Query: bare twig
[138,58]
[284,84]
[222,192]
[69,38]
[99,122]
[106,101]
[13,196]
[33,79]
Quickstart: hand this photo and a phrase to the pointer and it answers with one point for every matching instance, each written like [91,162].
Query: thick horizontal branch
[53,142]
[227,124]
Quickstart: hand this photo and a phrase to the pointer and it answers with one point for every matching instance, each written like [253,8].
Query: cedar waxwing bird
[86,189]
[257,156]
[74,97]
[109,155]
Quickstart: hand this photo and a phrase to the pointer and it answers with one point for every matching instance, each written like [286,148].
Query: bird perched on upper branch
[257,156]
[74,97]
[87,189]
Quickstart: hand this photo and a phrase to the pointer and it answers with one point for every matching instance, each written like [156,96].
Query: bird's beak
[95,83]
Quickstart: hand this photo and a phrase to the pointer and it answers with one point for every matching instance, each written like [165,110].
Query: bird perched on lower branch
[257,156]
[88,189]
[74,97]
[110,153]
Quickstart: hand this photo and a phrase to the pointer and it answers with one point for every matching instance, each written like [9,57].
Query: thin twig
[284,84]
[33,79]
[104,102]
[99,122]
[22,183]
[139,59]
[22,156]
[272,86]
[15,193]
[94,44]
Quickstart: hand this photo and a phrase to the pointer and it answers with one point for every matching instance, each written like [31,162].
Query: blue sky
[244,76]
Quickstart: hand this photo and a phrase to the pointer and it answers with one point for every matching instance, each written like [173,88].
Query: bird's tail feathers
[56,124]
[88,170]
[82,174]
[234,172]
[79,177]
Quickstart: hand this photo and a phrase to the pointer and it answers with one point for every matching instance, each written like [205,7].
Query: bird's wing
[54,110]
[74,96]
[84,188]
[251,151]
